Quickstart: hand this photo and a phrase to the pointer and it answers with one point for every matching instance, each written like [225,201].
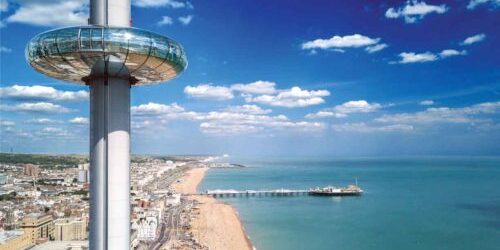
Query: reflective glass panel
[97,39]
[85,38]
[67,40]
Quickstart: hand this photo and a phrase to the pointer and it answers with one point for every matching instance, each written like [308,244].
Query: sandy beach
[216,225]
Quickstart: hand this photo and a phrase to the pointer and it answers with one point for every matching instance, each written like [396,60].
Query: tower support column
[110,163]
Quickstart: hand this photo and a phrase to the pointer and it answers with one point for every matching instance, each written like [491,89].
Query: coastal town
[44,204]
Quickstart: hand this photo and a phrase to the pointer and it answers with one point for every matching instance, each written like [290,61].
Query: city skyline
[385,78]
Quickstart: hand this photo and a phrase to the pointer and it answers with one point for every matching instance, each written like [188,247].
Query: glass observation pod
[68,54]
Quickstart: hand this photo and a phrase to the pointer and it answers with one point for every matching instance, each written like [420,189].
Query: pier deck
[273,192]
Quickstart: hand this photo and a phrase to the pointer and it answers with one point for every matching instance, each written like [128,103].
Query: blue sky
[337,78]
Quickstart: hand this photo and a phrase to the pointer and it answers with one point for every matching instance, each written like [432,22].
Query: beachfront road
[172,233]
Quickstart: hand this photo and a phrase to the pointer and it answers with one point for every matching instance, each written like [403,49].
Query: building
[14,240]
[31,170]
[83,173]
[62,245]
[69,229]
[4,179]
[146,228]
[39,227]
[172,200]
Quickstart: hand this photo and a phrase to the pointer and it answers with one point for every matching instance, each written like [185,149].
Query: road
[171,227]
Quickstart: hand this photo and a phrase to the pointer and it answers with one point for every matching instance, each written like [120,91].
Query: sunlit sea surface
[409,203]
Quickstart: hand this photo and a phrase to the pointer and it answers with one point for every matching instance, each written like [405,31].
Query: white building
[146,228]
[173,199]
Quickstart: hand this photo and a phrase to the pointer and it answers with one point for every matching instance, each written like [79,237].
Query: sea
[408,203]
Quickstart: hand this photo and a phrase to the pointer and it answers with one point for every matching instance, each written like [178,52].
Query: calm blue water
[409,203]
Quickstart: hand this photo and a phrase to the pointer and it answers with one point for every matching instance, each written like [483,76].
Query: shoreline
[215,224]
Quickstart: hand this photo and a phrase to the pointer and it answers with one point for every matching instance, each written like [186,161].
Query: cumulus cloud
[492,3]
[161,3]
[427,103]
[42,13]
[54,132]
[5,123]
[39,107]
[338,43]
[257,87]
[262,92]
[79,121]
[339,111]
[5,49]
[467,114]
[473,39]
[412,57]
[165,20]
[227,123]
[37,92]
[413,11]
[291,98]
[156,109]
[242,119]
[376,48]
[452,52]
[248,109]
[185,20]
[43,121]
[209,91]
[362,127]
[4,5]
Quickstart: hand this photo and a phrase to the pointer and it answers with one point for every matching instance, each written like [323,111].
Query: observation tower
[110,57]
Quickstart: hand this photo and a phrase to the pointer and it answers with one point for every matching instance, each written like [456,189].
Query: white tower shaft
[109,139]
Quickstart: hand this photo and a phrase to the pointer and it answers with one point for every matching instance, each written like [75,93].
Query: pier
[276,192]
[237,193]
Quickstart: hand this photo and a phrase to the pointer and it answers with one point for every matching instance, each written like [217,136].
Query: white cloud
[451,52]
[427,103]
[248,109]
[227,123]
[263,92]
[166,20]
[185,20]
[257,87]
[364,128]
[411,57]
[79,120]
[161,3]
[54,132]
[39,107]
[37,92]
[51,12]
[473,39]
[320,114]
[231,120]
[4,5]
[291,98]
[474,3]
[156,109]
[5,123]
[467,114]
[339,42]
[209,91]
[415,10]
[5,49]
[376,48]
[346,108]
[43,121]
